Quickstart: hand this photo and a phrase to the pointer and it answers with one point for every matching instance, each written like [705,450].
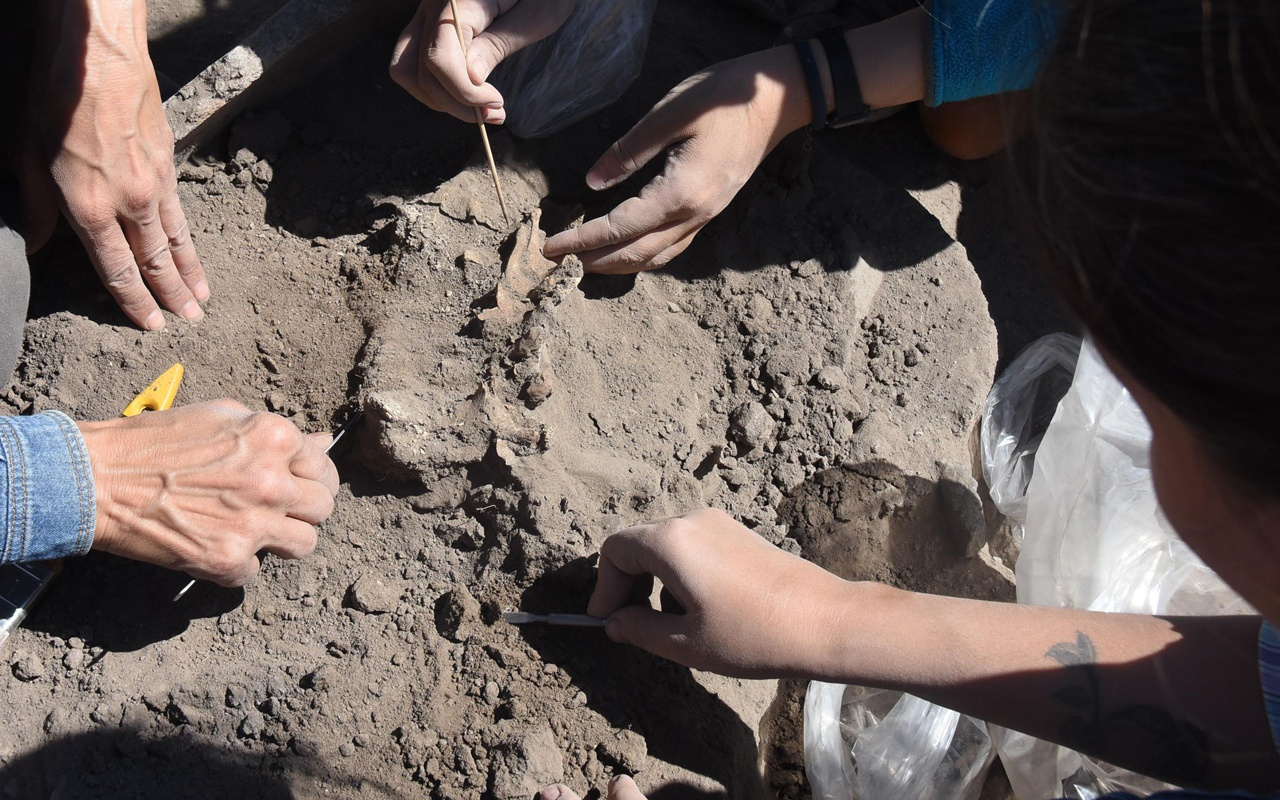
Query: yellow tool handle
[159,395]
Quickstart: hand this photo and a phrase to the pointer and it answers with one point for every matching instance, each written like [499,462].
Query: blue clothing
[983,47]
[48,507]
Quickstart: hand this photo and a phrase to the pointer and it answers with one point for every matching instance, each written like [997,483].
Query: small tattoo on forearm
[1140,736]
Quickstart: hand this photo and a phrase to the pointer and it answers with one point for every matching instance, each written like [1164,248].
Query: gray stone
[456,610]
[524,762]
[626,751]
[750,426]
[373,595]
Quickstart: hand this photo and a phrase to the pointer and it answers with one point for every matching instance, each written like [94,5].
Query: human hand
[620,788]
[203,489]
[98,146]
[715,127]
[749,609]
[428,61]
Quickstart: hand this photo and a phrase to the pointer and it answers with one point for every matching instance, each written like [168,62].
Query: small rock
[750,426]
[237,696]
[674,307]
[537,390]
[73,660]
[372,595]
[455,611]
[788,476]
[910,357]
[252,724]
[626,752]
[28,668]
[525,762]
[347,749]
[831,378]
[491,693]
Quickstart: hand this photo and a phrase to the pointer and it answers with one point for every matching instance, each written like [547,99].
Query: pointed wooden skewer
[484,134]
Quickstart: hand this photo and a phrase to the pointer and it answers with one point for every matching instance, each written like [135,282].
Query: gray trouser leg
[15,288]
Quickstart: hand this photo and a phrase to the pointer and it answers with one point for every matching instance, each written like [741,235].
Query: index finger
[626,558]
[442,58]
[633,218]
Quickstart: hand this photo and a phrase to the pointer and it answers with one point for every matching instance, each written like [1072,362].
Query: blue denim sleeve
[983,47]
[48,508]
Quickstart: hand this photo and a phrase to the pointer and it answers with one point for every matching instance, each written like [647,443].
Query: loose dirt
[814,365]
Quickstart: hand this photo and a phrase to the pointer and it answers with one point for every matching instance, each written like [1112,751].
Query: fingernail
[611,629]
[551,793]
[595,180]
[201,291]
[192,312]
[154,321]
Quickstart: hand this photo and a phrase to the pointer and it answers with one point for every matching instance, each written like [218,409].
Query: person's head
[1152,172]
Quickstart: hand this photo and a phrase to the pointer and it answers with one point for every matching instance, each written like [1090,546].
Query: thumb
[659,633]
[624,788]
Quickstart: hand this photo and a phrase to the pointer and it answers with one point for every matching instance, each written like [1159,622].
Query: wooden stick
[484,134]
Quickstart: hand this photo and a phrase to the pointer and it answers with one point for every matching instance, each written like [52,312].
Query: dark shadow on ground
[162,762]
[681,721]
[122,606]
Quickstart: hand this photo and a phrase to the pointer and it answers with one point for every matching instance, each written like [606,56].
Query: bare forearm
[1178,698]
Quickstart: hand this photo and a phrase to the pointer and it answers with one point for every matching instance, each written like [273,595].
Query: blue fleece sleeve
[983,47]
[48,508]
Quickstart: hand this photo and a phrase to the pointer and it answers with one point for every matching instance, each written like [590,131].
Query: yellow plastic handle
[159,395]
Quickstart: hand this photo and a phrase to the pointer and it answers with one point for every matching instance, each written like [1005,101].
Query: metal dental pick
[574,620]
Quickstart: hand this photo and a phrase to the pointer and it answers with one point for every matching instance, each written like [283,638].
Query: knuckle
[273,487]
[138,200]
[119,274]
[275,433]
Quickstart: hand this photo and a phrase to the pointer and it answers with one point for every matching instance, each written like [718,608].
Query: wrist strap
[850,107]
[817,98]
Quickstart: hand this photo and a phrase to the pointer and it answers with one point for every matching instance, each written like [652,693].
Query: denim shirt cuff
[48,508]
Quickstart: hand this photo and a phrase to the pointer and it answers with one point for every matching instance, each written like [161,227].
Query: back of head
[1152,171]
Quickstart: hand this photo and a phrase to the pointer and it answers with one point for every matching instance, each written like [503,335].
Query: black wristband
[850,107]
[817,98]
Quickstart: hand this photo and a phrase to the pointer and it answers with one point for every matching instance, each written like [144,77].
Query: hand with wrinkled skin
[715,128]
[98,147]
[428,63]
[203,489]
[750,609]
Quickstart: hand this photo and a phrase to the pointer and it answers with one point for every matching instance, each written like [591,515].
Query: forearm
[1177,698]
[888,56]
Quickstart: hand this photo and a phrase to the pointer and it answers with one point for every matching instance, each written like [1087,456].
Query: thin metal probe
[574,620]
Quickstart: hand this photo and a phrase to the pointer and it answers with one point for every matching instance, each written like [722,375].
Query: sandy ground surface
[814,364]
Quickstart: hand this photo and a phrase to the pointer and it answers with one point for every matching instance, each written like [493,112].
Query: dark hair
[1152,172]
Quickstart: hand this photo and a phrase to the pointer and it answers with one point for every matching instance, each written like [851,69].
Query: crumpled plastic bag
[1016,414]
[874,744]
[578,70]
[1094,538]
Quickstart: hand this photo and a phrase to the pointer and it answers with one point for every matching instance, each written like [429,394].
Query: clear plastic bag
[874,744]
[579,69]
[1094,537]
[1016,414]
